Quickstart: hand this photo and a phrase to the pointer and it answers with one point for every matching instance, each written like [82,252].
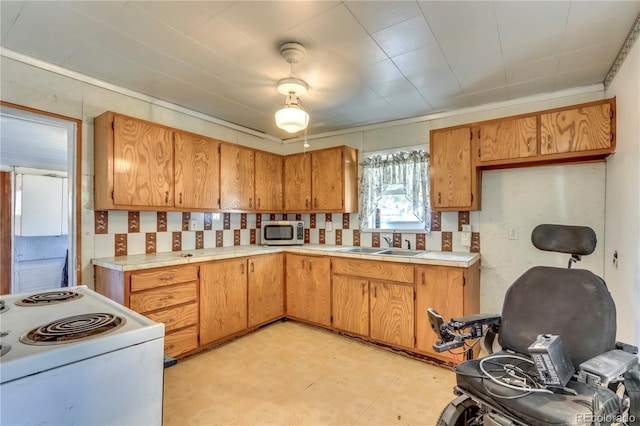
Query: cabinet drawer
[163,277]
[181,341]
[387,271]
[177,317]
[163,298]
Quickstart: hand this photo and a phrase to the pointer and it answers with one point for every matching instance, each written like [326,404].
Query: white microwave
[282,232]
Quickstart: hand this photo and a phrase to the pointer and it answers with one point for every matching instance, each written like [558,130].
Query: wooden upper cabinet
[452,170]
[580,129]
[507,139]
[133,163]
[324,181]
[197,171]
[297,177]
[145,166]
[269,182]
[327,179]
[237,178]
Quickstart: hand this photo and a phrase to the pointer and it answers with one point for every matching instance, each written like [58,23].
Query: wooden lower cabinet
[452,292]
[350,298]
[266,288]
[392,317]
[223,299]
[386,302]
[168,295]
[308,283]
[367,301]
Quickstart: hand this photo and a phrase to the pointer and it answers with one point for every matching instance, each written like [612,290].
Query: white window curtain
[409,169]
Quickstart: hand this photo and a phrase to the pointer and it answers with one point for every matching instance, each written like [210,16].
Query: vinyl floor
[292,374]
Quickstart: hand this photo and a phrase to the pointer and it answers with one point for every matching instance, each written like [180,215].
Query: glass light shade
[292,118]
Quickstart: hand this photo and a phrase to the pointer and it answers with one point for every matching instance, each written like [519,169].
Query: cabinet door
[236,178]
[223,299]
[197,173]
[392,319]
[297,175]
[439,288]
[327,186]
[351,304]
[296,279]
[309,288]
[143,164]
[268,182]
[319,291]
[266,288]
[451,168]
[507,139]
[572,130]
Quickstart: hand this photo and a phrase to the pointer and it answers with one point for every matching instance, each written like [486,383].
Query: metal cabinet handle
[166,197]
[363,284]
[310,265]
[252,267]
[180,202]
[250,202]
[423,279]
[164,299]
[439,198]
[374,291]
[259,202]
[315,202]
[167,277]
[242,267]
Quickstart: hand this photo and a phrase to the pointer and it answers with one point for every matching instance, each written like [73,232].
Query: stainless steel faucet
[388,240]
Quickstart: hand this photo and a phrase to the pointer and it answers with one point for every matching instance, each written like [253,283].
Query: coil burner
[49,298]
[73,329]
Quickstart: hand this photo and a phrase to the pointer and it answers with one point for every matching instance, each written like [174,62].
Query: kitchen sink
[382,251]
[393,252]
[365,250]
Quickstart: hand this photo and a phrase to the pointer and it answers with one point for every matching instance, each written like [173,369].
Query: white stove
[80,358]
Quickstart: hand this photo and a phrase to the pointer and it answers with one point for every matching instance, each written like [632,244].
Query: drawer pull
[167,277]
[164,299]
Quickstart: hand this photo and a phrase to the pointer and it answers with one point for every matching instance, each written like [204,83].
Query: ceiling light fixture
[292,118]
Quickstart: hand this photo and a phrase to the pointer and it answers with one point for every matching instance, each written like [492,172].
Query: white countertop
[156,260]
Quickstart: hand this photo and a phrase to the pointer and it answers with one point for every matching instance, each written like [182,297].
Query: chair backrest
[572,303]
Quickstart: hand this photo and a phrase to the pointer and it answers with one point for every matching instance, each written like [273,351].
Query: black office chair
[559,362]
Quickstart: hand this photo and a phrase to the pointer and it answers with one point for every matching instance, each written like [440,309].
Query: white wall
[525,198]
[622,225]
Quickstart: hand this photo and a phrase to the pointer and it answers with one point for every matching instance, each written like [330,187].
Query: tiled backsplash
[120,233]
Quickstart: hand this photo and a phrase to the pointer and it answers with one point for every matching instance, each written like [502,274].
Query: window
[394,192]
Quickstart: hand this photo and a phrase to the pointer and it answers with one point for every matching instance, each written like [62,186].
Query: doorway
[39,208]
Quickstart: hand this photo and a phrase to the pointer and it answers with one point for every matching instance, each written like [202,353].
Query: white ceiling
[366,61]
